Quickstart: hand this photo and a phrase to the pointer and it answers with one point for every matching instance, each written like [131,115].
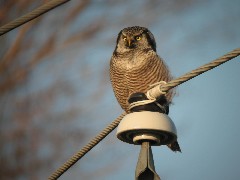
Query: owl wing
[119,83]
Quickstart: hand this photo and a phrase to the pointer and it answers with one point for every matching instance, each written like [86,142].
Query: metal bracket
[145,169]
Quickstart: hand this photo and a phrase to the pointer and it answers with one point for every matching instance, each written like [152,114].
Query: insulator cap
[154,127]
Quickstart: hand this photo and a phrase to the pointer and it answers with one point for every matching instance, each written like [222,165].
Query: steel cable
[86,148]
[157,90]
[30,16]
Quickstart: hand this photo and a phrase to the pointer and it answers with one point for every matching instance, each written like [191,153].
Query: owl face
[135,38]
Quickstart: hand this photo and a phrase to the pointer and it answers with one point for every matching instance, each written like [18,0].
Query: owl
[135,65]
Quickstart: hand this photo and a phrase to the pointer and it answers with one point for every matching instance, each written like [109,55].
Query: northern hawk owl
[135,65]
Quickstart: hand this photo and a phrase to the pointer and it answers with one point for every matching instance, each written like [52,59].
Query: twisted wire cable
[30,16]
[155,92]
[159,89]
[86,148]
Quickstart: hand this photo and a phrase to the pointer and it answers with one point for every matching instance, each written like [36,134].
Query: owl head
[135,38]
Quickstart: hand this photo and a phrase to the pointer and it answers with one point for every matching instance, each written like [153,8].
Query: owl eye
[124,38]
[138,38]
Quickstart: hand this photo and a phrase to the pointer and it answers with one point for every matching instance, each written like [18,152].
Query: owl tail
[174,146]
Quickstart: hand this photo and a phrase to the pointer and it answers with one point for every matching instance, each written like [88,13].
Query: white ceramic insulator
[153,127]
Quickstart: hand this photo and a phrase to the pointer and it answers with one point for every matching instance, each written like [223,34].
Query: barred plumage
[128,78]
[135,65]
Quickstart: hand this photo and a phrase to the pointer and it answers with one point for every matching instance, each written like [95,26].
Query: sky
[205,110]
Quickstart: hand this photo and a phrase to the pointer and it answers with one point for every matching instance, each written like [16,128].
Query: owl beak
[129,42]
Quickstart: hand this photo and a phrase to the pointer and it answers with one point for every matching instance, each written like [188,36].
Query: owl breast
[131,73]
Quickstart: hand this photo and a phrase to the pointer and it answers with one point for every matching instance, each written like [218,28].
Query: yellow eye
[138,38]
[124,38]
